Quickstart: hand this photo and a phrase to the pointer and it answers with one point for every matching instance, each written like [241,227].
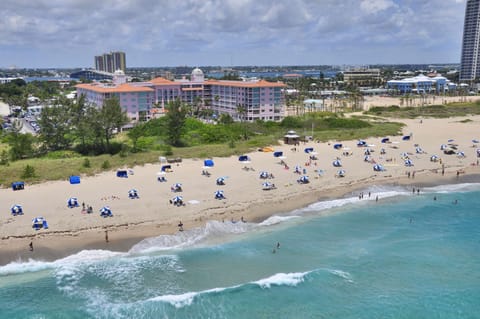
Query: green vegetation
[433,111]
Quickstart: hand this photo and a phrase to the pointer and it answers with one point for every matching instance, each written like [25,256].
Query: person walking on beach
[106,236]
[31,246]
[180,226]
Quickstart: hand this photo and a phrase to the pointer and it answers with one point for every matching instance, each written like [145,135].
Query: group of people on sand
[87,208]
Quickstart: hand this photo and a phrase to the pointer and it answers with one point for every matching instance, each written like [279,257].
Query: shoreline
[123,237]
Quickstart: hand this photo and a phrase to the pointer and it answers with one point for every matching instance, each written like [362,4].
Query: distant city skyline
[68,33]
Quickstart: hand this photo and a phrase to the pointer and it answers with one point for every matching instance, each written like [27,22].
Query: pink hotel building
[262,100]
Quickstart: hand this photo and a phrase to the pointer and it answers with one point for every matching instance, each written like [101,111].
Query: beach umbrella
[385,140]
[406,138]
[433,158]
[443,147]
[361,143]
[39,222]
[367,158]
[105,211]
[378,168]
[72,202]
[461,154]
[133,193]
[16,210]
[341,173]
[478,152]
[279,154]
[408,163]
[475,141]
[177,200]
[304,179]
[267,185]
[450,140]
[337,163]
[418,150]
[264,174]
[219,194]
[221,181]
[337,146]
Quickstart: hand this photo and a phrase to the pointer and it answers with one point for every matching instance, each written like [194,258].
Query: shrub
[86,163]
[28,171]
[106,165]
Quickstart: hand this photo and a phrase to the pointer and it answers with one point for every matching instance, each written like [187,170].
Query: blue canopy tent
[122,173]
[244,159]
[337,146]
[337,163]
[219,194]
[385,140]
[72,202]
[277,154]
[105,211]
[208,163]
[378,168]
[16,210]
[406,138]
[74,179]
[39,222]
[308,150]
[166,168]
[18,186]
[133,194]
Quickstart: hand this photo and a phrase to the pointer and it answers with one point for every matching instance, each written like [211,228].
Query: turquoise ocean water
[405,256]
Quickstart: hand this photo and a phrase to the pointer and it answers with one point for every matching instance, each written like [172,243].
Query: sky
[156,33]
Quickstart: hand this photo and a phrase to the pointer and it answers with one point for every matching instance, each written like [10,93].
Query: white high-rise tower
[470,61]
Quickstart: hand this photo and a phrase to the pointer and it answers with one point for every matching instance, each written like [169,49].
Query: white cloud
[374,6]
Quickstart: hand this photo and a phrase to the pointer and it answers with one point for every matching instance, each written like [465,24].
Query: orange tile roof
[257,84]
[161,81]
[122,88]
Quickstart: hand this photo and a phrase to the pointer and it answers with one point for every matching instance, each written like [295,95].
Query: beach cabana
[16,186]
[75,179]
[220,181]
[337,163]
[177,201]
[39,222]
[385,140]
[378,168]
[408,163]
[177,187]
[219,194]
[244,159]
[133,194]
[72,202]
[337,146]
[303,180]
[341,173]
[406,138]
[166,168]
[16,210]
[291,138]
[122,173]
[105,211]
[208,163]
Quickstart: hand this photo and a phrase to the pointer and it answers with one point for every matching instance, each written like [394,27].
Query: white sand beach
[152,214]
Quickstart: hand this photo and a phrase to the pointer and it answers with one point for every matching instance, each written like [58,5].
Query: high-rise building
[470,61]
[111,62]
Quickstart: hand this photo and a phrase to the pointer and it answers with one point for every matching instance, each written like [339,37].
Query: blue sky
[69,33]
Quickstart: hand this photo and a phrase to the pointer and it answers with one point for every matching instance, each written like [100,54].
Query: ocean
[405,256]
